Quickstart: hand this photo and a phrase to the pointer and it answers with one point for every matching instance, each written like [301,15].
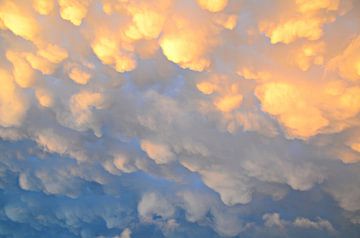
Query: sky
[180,118]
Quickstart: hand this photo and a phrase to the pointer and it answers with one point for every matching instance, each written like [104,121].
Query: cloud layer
[169,118]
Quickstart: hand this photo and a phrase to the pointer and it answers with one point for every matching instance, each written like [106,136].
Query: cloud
[13,104]
[153,207]
[126,233]
[320,224]
[274,220]
[193,118]
[308,23]
[185,46]
[347,63]
[19,21]
[159,153]
[43,7]
[73,11]
[212,5]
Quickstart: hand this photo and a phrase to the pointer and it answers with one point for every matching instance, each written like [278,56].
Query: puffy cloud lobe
[229,102]
[293,104]
[212,5]
[126,233]
[79,76]
[81,105]
[13,105]
[189,45]
[121,162]
[43,7]
[186,48]
[108,51]
[22,71]
[195,210]
[348,62]
[53,53]
[39,63]
[308,24]
[153,204]
[309,6]
[232,190]
[306,223]
[74,10]
[228,96]
[285,101]
[19,21]
[309,54]
[147,24]
[160,153]
[274,220]
[293,29]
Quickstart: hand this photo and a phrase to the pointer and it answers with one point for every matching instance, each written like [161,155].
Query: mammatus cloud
[274,220]
[169,118]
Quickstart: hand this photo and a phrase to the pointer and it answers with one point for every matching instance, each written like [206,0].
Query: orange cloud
[160,153]
[79,76]
[306,6]
[290,106]
[185,45]
[22,71]
[305,23]
[44,97]
[109,51]
[74,10]
[293,29]
[212,5]
[309,54]
[227,95]
[13,105]
[147,24]
[348,63]
[19,21]
[43,7]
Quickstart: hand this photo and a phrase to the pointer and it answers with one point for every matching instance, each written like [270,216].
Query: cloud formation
[169,118]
